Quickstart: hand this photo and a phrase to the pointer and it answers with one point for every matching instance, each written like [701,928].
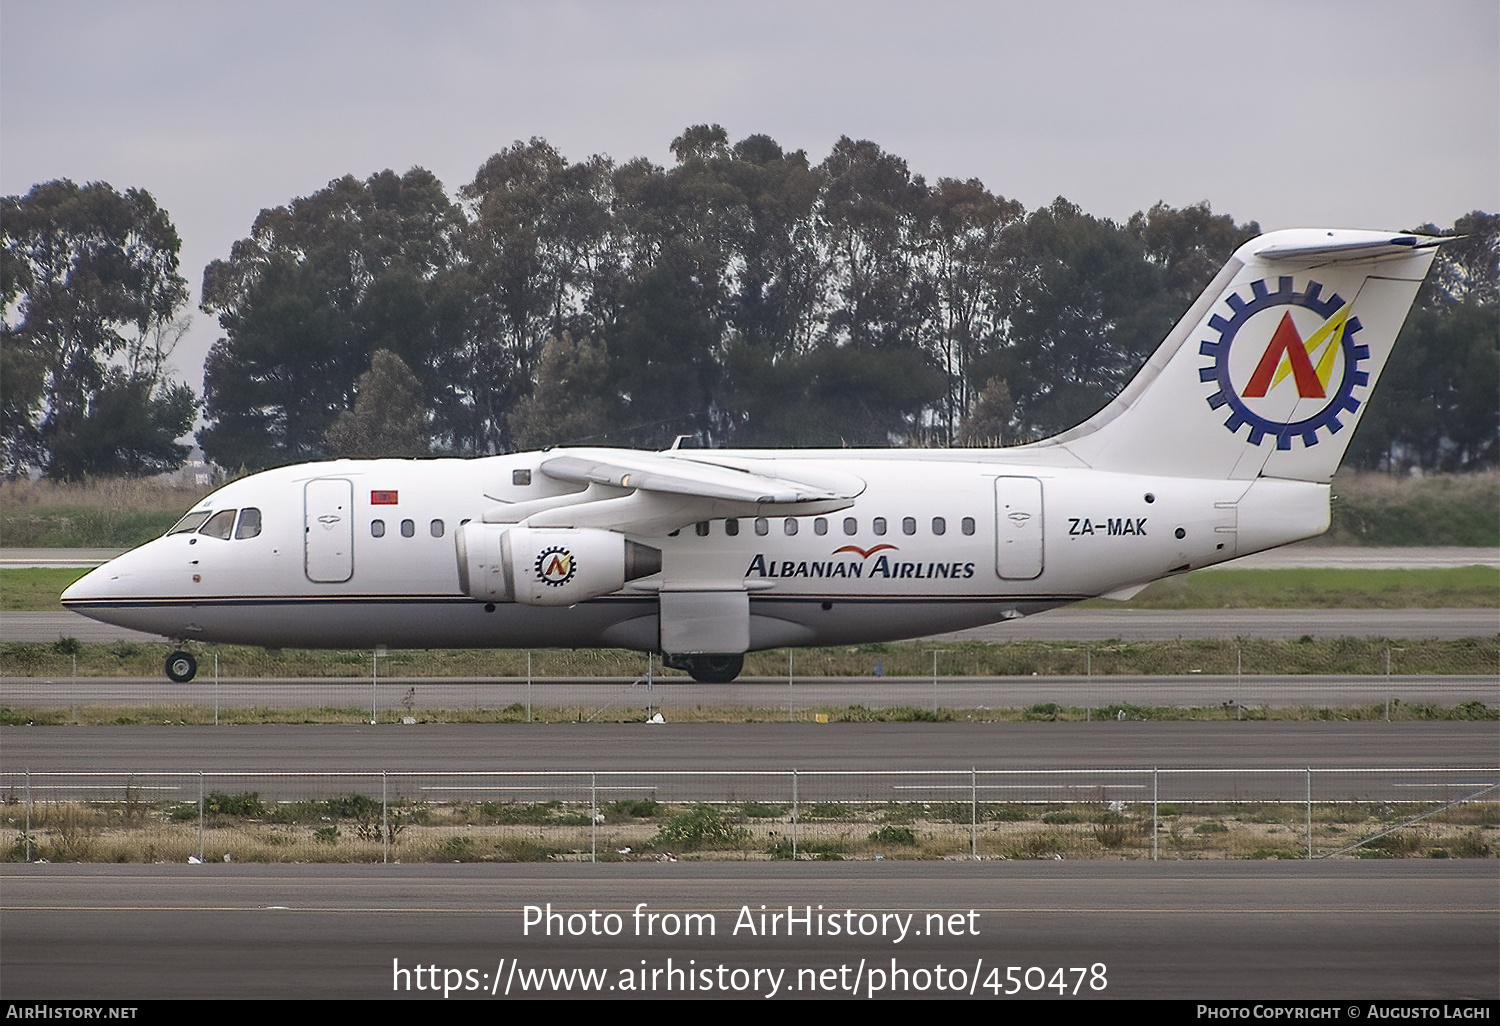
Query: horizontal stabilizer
[1338,246]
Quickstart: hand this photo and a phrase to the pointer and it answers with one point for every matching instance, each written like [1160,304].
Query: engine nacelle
[547,566]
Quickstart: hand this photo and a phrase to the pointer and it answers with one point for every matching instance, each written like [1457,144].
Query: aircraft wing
[649,494]
[676,476]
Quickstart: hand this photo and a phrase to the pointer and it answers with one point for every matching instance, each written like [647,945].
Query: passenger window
[436,527]
[377,528]
[702,528]
[967,524]
[220,525]
[908,525]
[790,526]
[850,525]
[762,525]
[732,527]
[249,523]
[878,525]
[939,525]
[408,528]
[189,523]
[820,525]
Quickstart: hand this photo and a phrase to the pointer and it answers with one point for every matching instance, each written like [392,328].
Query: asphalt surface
[679,698]
[1342,931]
[748,747]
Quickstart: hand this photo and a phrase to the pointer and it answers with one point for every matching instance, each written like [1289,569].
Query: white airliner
[1222,445]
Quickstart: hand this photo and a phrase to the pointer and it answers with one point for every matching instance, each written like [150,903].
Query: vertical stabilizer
[1271,369]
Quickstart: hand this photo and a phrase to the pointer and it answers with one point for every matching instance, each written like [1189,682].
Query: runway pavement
[1250,931]
[684,747]
[677,697]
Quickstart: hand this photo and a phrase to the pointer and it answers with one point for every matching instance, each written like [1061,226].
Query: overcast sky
[1347,113]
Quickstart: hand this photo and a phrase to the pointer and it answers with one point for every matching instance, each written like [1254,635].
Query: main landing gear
[708,669]
[181,667]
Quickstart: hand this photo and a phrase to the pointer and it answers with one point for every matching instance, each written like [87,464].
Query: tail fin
[1270,370]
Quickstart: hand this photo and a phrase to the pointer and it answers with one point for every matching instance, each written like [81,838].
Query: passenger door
[328,530]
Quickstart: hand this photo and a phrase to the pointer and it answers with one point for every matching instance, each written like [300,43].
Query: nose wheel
[181,667]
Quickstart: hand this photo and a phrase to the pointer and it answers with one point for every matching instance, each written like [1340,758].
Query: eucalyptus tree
[305,301]
[543,261]
[91,296]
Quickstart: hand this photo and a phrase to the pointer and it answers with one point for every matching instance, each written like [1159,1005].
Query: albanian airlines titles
[883,568]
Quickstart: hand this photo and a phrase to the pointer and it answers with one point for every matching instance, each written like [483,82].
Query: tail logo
[1275,350]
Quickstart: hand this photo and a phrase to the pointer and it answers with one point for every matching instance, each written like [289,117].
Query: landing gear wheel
[181,667]
[713,669]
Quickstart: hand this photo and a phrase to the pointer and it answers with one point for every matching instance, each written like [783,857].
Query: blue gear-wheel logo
[555,566]
[1261,299]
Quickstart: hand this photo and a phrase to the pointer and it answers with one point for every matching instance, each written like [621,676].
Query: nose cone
[89,587]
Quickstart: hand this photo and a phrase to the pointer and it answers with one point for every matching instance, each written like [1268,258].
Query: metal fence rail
[594,815]
[385,699]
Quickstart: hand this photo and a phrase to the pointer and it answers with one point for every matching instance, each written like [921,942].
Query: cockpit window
[190,523]
[249,523]
[220,525]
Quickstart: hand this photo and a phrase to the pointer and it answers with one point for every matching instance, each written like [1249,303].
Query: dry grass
[1442,509]
[1482,487]
[146,494]
[465,832]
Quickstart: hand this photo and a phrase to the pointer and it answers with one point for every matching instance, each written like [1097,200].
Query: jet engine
[547,566]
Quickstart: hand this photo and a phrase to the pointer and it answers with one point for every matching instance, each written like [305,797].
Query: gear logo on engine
[1286,362]
[555,566]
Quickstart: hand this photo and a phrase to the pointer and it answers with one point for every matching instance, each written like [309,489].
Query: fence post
[794,815]
[28,813]
[974,812]
[385,822]
[200,815]
[1155,813]
[1309,812]
[594,817]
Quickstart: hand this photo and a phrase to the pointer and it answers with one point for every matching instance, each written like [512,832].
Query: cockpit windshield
[220,525]
[190,523]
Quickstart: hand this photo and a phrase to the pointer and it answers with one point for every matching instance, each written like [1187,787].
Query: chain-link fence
[617,816]
[40,684]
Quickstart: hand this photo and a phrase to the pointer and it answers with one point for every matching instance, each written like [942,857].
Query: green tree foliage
[91,296]
[542,261]
[990,423]
[389,417]
[966,236]
[744,295]
[1090,300]
[574,400]
[1435,405]
[320,285]
[130,429]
